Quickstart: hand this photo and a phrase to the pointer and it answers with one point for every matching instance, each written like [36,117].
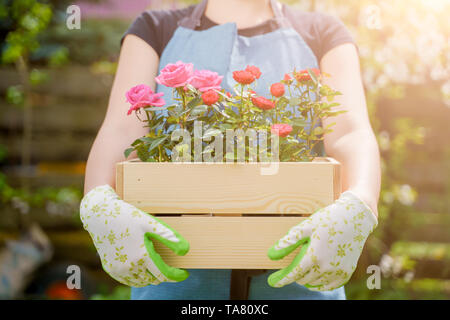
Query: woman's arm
[352,141]
[138,64]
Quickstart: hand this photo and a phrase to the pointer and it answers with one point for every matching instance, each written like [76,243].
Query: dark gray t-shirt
[320,31]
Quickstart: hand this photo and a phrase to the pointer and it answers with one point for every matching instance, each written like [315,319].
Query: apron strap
[193,20]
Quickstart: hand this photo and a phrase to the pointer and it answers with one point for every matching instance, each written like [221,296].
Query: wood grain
[224,188]
[119,179]
[228,242]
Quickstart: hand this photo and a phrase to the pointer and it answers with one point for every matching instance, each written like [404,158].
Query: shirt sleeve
[331,33]
[146,27]
[156,27]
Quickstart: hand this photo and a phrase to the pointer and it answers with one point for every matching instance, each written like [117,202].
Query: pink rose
[175,74]
[142,96]
[205,80]
[281,129]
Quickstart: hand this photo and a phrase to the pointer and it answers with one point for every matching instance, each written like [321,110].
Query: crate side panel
[228,242]
[119,179]
[295,188]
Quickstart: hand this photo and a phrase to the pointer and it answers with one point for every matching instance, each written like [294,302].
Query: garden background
[54,86]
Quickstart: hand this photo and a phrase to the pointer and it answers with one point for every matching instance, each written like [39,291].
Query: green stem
[183,101]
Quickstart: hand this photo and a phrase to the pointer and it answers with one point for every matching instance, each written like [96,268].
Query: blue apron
[223,50]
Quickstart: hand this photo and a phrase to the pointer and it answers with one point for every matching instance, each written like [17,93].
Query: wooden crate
[230,213]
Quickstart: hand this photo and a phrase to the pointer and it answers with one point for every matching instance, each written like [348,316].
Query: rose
[281,129]
[287,78]
[263,103]
[205,80]
[203,88]
[243,77]
[175,75]
[277,89]
[254,71]
[210,97]
[142,96]
[303,75]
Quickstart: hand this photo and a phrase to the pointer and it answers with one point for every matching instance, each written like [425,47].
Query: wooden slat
[224,188]
[119,179]
[228,242]
[337,183]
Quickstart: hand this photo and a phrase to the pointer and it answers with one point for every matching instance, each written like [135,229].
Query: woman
[224,36]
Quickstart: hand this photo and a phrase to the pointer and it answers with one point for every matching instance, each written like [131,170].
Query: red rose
[281,129]
[229,95]
[287,78]
[263,103]
[254,71]
[277,89]
[210,97]
[304,75]
[243,77]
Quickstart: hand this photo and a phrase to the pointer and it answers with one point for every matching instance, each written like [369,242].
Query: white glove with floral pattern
[332,240]
[123,237]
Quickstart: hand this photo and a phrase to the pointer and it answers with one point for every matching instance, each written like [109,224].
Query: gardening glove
[332,240]
[123,236]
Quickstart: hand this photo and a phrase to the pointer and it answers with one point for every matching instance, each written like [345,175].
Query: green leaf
[155,108]
[198,110]
[220,111]
[38,77]
[318,131]
[211,132]
[191,87]
[194,102]
[146,140]
[256,109]
[136,142]
[294,101]
[225,126]
[128,151]
[297,122]
[156,143]
[14,95]
[313,76]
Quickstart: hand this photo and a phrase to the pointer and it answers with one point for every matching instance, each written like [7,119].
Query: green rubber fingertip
[276,277]
[277,254]
[179,248]
[169,272]
[310,286]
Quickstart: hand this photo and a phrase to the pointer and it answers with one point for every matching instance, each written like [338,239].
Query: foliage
[98,39]
[27,21]
[66,198]
[299,109]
